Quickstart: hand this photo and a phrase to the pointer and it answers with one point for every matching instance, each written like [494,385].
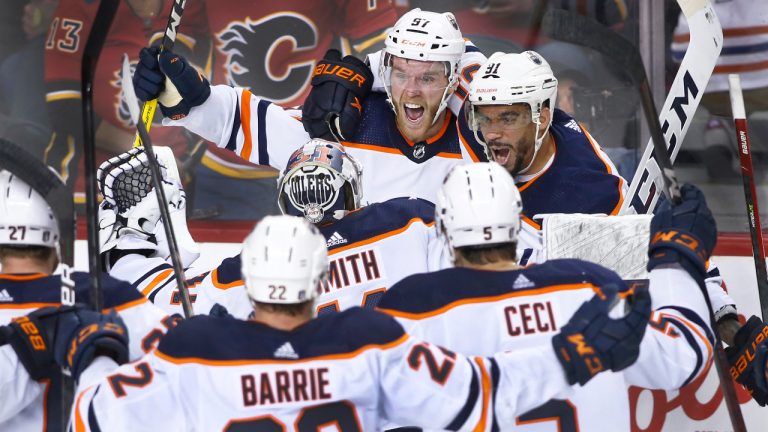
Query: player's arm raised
[232,118]
[451,391]
[679,344]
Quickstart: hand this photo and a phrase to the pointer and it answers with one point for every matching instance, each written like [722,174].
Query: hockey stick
[130,94]
[706,41]
[96,39]
[750,195]
[587,32]
[169,38]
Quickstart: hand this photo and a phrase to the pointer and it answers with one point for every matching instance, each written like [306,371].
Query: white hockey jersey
[524,308]
[393,166]
[369,250]
[35,405]
[352,371]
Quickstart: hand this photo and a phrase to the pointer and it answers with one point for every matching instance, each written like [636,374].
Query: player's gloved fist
[148,79]
[592,342]
[333,108]
[684,234]
[83,334]
[185,88]
[32,338]
[747,358]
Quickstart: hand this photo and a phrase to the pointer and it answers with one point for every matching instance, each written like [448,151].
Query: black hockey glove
[333,108]
[684,234]
[747,358]
[148,79]
[85,334]
[32,338]
[190,88]
[592,342]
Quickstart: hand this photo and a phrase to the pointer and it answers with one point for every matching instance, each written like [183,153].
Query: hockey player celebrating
[29,237]
[558,166]
[370,247]
[354,369]
[406,138]
[478,211]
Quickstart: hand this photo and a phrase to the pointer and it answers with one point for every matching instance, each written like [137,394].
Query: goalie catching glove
[129,214]
[748,356]
[333,109]
[592,342]
[172,80]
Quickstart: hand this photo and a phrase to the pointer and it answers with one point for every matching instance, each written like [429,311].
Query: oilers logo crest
[312,188]
[258,55]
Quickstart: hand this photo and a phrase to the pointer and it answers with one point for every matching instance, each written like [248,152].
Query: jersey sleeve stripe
[154,271]
[466,145]
[611,169]
[223,286]
[245,120]
[486,384]
[469,405]
[261,113]
[380,236]
[691,334]
[124,306]
[197,360]
[495,377]
[79,423]
[232,143]
[490,299]
[28,305]
[93,423]
[157,290]
[156,281]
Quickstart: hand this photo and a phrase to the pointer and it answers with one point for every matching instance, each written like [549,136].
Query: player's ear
[546,116]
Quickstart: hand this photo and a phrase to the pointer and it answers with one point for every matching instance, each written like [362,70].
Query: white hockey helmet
[478,205]
[424,36]
[26,219]
[507,79]
[284,261]
[321,182]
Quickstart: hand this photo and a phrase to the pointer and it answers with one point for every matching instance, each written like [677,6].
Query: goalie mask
[478,205]
[508,79]
[425,37]
[321,183]
[26,219]
[284,260]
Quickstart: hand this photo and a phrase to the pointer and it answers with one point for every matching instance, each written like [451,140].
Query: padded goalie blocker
[619,243]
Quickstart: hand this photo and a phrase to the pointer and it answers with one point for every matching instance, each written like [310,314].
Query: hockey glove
[148,79]
[83,334]
[32,338]
[333,109]
[747,358]
[592,342]
[185,88]
[684,234]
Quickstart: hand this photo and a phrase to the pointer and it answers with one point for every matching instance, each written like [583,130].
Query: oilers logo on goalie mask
[311,189]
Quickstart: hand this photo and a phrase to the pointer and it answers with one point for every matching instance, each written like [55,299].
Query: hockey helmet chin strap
[537,143]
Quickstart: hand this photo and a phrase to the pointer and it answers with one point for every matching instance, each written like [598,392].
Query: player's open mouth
[413,112]
[501,154]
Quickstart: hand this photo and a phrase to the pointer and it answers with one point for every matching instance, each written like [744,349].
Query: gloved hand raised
[685,233]
[592,342]
[333,109]
[172,80]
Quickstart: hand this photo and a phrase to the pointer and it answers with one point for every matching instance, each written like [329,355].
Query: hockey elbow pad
[185,87]
[685,234]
